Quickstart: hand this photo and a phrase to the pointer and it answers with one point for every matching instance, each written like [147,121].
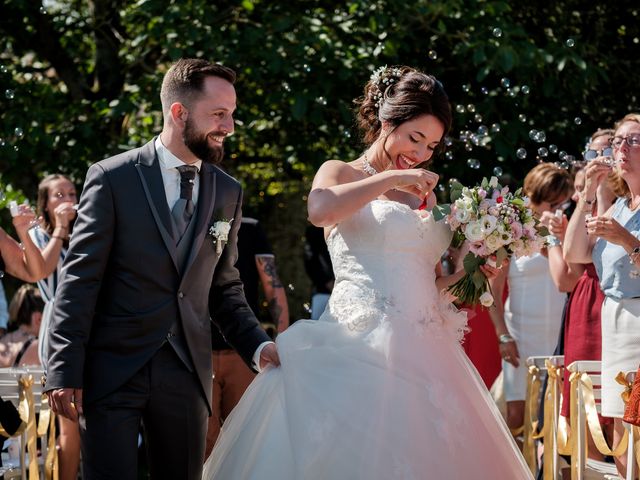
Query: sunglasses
[591,154]
[632,140]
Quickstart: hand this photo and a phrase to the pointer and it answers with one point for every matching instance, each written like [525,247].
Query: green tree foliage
[79,81]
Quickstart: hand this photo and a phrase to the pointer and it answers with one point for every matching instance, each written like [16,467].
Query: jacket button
[180,295]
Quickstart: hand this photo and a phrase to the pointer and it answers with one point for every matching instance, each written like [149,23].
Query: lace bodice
[384,260]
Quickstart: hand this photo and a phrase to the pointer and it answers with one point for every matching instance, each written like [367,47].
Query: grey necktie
[183,209]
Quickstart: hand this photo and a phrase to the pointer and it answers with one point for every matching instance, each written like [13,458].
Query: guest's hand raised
[25,219]
[557,225]
[64,213]
[608,229]
[594,173]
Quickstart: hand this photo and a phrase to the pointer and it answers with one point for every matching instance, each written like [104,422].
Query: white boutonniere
[220,232]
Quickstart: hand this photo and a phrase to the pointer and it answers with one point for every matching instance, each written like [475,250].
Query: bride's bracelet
[505,338]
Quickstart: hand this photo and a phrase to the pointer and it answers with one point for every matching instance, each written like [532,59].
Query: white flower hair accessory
[220,233]
[381,79]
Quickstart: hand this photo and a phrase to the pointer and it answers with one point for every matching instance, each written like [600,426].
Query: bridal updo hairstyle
[398,94]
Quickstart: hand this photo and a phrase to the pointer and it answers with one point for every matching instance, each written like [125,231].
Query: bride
[378,387]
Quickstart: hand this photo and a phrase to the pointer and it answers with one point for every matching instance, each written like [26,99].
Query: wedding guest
[257,266]
[19,346]
[529,322]
[611,241]
[21,260]
[57,199]
[582,338]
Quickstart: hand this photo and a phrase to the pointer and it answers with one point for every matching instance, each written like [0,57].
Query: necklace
[367,167]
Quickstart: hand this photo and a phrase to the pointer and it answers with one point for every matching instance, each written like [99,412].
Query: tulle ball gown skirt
[384,405]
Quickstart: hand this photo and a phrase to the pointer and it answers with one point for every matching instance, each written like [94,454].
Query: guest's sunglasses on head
[632,140]
[591,154]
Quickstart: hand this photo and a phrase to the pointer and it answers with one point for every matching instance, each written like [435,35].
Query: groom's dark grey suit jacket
[122,288]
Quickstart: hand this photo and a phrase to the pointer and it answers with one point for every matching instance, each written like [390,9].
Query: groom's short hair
[184,80]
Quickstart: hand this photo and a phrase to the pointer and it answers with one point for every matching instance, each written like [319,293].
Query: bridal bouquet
[495,222]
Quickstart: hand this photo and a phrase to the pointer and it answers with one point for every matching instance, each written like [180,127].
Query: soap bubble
[433,55]
[532,134]
[466,87]
[521,153]
[577,120]
[495,128]
[460,108]
[525,89]
[497,32]
[18,132]
[473,163]
[553,148]
[471,107]
[522,117]
[497,171]
[483,130]
[505,82]
[543,152]
[477,118]
[570,42]
[484,90]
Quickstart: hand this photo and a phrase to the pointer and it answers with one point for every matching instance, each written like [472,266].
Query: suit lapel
[206,201]
[148,168]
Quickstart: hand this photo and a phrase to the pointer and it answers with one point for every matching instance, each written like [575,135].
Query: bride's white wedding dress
[379,387]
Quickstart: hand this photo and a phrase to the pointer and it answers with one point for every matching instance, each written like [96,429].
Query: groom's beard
[198,143]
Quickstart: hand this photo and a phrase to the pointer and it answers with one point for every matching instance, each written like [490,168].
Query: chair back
[23,387]
[553,366]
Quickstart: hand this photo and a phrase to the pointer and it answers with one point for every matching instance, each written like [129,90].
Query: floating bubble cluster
[473,163]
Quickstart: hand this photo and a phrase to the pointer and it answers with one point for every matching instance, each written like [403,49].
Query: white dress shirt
[171,180]
[171,176]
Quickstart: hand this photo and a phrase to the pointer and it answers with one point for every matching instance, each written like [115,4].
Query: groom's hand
[66,402]
[269,356]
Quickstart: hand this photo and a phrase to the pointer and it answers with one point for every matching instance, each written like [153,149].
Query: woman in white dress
[379,387]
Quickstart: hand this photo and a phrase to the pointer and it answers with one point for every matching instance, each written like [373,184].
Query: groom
[150,265]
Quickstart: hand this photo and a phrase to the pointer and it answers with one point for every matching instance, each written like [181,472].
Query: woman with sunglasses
[612,241]
[530,320]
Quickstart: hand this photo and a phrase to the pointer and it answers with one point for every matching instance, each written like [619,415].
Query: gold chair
[553,366]
[586,384]
[23,387]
